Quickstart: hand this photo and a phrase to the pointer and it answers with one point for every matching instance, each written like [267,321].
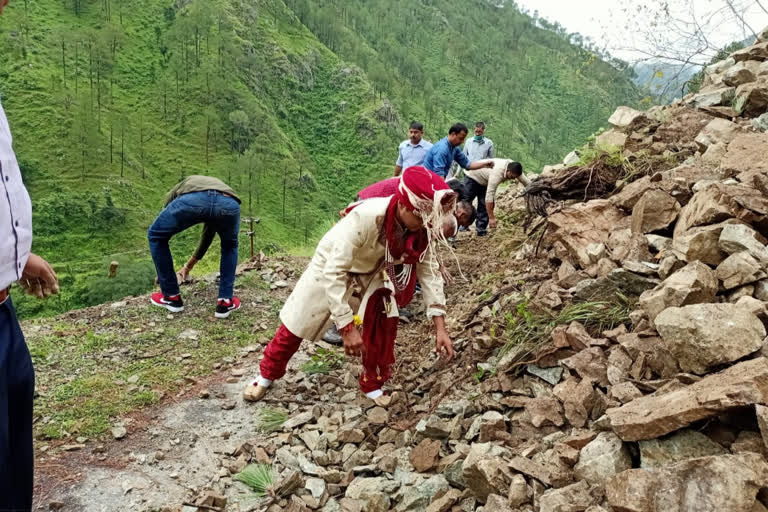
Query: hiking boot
[174,304]
[333,336]
[225,306]
[482,233]
[254,392]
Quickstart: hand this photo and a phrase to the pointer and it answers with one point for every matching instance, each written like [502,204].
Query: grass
[259,477]
[525,329]
[86,367]
[323,361]
[271,419]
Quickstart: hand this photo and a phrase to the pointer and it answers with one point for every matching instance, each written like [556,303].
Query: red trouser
[281,349]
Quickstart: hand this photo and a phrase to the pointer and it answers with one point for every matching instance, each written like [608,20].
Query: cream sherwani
[351,256]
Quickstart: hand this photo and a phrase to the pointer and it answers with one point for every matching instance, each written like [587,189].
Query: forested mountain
[297,104]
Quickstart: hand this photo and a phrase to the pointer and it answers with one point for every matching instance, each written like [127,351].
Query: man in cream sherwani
[354,263]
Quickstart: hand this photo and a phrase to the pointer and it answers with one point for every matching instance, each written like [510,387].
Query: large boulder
[581,225]
[758,52]
[611,138]
[719,202]
[713,98]
[703,336]
[676,447]
[373,492]
[602,458]
[574,498]
[739,237]
[720,66]
[739,269]
[654,211]
[701,243]
[746,153]
[717,131]
[707,484]
[624,116]
[751,99]
[693,284]
[651,416]
[741,73]
[485,472]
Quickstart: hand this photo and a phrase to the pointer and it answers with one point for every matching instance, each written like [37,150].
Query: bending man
[355,261]
[197,199]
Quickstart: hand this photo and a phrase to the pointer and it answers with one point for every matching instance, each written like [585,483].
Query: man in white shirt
[412,151]
[17,377]
[482,184]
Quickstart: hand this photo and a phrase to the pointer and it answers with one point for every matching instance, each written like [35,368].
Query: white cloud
[607,23]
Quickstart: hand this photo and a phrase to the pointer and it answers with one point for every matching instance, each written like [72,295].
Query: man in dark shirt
[197,199]
[441,156]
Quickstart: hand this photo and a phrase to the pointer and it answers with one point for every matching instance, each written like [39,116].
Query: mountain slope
[296,104]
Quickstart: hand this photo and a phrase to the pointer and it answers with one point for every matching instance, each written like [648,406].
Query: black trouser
[471,190]
[17,388]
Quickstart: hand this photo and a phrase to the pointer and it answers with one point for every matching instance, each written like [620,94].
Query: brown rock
[720,483]
[742,73]
[701,244]
[544,411]
[581,225]
[518,491]
[602,458]
[578,398]
[702,336]
[378,416]
[749,442]
[424,456]
[497,503]
[692,284]
[757,52]
[580,438]
[485,472]
[741,385]
[762,421]
[445,502]
[589,364]
[654,211]
[751,99]
[745,153]
[573,498]
[676,447]
[717,131]
[577,336]
[718,203]
[624,116]
[739,269]
[651,352]
[619,365]
[625,392]
[551,476]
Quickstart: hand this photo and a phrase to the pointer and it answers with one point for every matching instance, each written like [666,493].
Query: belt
[4,294]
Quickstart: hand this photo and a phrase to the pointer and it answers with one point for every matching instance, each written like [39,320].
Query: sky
[606,22]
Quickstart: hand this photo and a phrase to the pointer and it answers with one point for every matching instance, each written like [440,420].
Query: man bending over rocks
[356,260]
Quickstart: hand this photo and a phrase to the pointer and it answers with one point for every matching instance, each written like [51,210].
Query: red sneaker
[225,306]
[173,304]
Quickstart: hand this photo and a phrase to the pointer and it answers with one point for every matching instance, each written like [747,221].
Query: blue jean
[17,389]
[221,212]
[471,190]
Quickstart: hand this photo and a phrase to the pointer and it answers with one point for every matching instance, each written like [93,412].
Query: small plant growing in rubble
[259,477]
[526,329]
[323,361]
[271,419]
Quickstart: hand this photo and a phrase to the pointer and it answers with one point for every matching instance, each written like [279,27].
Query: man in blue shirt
[442,155]
[413,150]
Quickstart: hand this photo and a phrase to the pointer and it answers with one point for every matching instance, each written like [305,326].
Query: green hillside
[296,105]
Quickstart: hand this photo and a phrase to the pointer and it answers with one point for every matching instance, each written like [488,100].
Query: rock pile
[664,412]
